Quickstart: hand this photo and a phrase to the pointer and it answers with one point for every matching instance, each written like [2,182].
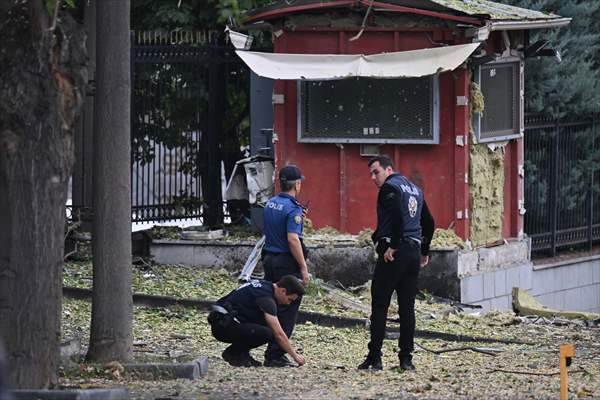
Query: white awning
[402,64]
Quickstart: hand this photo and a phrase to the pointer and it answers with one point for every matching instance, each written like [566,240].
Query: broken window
[502,88]
[366,110]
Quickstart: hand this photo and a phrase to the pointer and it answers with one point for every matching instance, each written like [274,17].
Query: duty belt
[409,239]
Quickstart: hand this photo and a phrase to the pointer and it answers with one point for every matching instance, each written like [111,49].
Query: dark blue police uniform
[245,326]
[282,214]
[404,223]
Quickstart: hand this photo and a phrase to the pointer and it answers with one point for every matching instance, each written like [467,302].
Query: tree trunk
[112,304]
[41,88]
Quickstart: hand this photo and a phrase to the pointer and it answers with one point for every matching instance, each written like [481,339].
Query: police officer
[247,318]
[283,252]
[404,230]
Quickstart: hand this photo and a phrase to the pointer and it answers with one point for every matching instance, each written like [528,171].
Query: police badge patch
[298,219]
[412,206]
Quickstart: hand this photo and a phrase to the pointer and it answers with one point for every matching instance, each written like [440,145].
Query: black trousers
[399,275]
[277,265]
[243,337]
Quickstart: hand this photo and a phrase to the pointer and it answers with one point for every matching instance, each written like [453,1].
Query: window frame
[435,124]
[476,118]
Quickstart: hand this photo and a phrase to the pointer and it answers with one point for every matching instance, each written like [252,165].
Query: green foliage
[65,4]
[191,14]
[572,86]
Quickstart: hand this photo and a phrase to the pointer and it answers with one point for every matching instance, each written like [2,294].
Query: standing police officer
[404,230]
[283,252]
[247,318]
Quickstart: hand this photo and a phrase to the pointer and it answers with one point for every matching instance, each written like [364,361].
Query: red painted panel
[337,182]
[513,189]
[461,154]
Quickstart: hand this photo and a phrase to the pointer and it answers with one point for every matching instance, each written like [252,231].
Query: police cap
[290,173]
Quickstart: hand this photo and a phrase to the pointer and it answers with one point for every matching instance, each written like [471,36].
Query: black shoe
[406,364]
[253,362]
[239,359]
[278,362]
[373,361]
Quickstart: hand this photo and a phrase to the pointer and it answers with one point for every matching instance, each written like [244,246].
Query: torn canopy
[319,67]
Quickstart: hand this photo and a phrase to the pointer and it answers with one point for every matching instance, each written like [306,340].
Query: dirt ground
[523,371]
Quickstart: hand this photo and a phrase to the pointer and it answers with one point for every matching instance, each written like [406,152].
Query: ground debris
[333,353]
[446,238]
[525,304]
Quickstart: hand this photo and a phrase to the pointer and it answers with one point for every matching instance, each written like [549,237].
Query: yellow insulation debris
[444,238]
[486,184]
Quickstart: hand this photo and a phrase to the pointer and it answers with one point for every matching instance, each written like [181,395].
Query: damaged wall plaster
[486,183]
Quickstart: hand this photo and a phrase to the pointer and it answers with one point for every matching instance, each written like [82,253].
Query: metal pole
[554,188]
[590,209]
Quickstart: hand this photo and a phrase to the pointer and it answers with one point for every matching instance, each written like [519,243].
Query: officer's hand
[305,278]
[389,255]
[424,261]
[299,359]
[304,212]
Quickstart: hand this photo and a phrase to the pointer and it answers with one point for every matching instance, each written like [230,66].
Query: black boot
[278,362]
[406,363]
[238,358]
[373,361]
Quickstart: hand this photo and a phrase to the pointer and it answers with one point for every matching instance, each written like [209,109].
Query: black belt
[410,239]
[273,253]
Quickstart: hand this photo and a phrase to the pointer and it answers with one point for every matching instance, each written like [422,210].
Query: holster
[221,316]
[304,249]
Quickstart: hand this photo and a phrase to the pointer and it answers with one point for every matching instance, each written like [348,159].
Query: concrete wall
[483,276]
[206,253]
[492,289]
[348,265]
[569,285]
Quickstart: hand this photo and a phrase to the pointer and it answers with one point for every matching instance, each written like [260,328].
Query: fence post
[132,45]
[554,188]
[590,209]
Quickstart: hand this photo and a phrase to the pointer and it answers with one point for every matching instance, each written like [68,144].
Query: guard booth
[435,84]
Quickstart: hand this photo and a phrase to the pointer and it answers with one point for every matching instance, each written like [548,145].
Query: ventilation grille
[367,110]
[500,88]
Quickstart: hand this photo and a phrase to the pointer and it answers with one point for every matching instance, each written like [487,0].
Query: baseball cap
[290,173]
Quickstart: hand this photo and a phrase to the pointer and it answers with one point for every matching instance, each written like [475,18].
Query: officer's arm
[428,227]
[296,249]
[281,338]
[392,206]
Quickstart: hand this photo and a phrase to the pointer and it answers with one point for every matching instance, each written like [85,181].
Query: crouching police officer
[404,230]
[247,318]
[284,252]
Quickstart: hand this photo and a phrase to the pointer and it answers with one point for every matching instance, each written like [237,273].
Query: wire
[362,26]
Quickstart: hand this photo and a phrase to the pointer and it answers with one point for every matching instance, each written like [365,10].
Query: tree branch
[508,371]
[55,17]
[489,352]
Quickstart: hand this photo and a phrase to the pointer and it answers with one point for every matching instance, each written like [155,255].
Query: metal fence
[179,99]
[562,182]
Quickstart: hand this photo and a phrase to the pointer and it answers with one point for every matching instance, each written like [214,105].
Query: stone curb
[151,300]
[191,370]
[303,316]
[90,394]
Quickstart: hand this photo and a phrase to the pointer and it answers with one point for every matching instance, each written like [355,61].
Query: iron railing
[176,127]
[186,89]
[562,182]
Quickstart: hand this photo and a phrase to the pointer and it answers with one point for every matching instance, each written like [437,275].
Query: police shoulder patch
[298,219]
